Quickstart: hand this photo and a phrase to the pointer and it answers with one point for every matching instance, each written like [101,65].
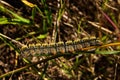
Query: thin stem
[14,41]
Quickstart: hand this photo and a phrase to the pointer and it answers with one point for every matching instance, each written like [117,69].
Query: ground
[46,21]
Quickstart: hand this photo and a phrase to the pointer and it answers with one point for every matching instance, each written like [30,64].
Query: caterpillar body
[60,47]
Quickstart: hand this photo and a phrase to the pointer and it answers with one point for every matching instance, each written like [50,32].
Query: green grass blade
[27,21]
[3,20]
[20,19]
[42,36]
[107,52]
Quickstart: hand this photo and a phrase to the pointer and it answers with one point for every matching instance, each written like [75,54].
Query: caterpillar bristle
[60,43]
[77,40]
[31,45]
[24,47]
[38,45]
[44,45]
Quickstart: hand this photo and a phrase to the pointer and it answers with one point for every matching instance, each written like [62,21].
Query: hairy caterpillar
[60,47]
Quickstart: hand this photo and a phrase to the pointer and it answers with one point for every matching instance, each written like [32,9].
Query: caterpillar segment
[45,49]
[69,46]
[60,47]
[77,45]
[53,48]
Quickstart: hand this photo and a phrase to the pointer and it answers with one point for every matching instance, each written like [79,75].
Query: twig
[117,31]
[111,7]
[100,27]
[14,41]
[110,44]
[5,3]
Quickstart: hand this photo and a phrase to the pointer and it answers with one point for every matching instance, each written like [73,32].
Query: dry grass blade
[12,40]
[100,27]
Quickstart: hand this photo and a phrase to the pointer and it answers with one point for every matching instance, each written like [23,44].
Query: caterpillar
[60,47]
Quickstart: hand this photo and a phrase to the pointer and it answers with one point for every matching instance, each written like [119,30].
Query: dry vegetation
[46,21]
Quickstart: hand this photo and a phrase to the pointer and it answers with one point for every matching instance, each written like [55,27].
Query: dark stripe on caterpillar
[60,47]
